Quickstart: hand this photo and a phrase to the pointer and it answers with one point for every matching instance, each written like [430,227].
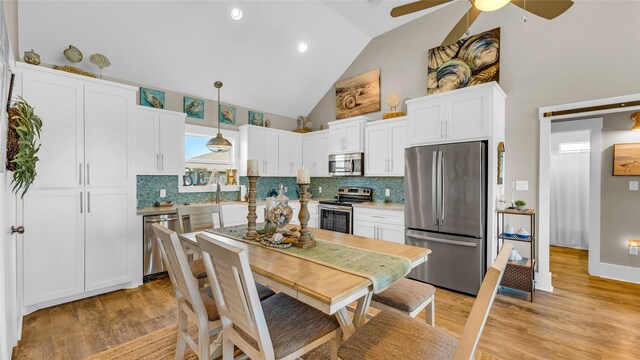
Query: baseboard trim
[543,282]
[617,272]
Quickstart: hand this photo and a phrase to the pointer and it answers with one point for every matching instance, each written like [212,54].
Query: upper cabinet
[458,115]
[160,149]
[279,152]
[315,149]
[347,136]
[385,141]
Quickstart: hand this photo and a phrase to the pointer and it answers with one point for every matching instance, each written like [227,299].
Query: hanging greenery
[23,144]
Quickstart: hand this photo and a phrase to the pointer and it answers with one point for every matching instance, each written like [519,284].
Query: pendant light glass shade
[218,143]
[490,5]
[635,117]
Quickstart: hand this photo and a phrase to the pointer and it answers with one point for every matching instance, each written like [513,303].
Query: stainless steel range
[338,215]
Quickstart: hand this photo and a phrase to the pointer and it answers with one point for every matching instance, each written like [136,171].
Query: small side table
[519,275]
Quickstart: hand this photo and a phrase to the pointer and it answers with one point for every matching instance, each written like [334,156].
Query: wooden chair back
[194,218]
[174,258]
[235,293]
[482,306]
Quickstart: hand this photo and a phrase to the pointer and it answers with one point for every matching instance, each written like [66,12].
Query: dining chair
[394,335]
[280,327]
[408,296]
[194,303]
[198,217]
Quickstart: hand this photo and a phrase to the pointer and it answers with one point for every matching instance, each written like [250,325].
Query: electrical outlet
[633,250]
[286,189]
[522,185]
[319,189]
[633,186]
[387,192]
[163,193]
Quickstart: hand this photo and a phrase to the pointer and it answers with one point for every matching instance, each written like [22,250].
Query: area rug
[161,344]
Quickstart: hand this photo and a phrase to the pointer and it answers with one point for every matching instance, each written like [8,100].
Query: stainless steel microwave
[346,164]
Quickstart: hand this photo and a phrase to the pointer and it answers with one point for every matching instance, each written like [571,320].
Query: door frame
[596,266]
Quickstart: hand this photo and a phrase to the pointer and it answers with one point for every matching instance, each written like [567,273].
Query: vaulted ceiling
[185,46]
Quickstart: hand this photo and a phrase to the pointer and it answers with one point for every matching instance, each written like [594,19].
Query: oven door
[346,165]
[336,218]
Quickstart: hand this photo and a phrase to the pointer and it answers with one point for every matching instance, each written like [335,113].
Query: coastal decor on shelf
[393,100]
[152,98]
[304,126]
[635,117]
[232,178]
[31,57]
[100,61]
[626,159]
[501,152]
[73,70]
[253,175]
[269,226]
[73,54]
[358,94]
[227,114]
[281,213]
[256,118]
[267,123]
[523,233]
[470,61]
[306,237]
[23,143]
[194,108]
[520,205]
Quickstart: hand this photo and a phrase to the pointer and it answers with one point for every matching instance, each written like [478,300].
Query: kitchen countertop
[172,209]
[380,206]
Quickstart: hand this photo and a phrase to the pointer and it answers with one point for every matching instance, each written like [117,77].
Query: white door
[353,137]
[59,102]
[393,233]
[8,269]
[148,143]
[107,238]
[336,135]
[397,144]
[469,117]
[364,228]
[285,157]
[426,123]
[171,144]
[53,244]
[322,150]
[108,134]
[377,150]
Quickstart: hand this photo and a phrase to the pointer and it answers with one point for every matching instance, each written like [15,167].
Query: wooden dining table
[323,287]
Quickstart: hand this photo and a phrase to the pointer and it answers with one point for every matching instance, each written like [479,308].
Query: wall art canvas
[227,114]
[358,95]
[470,61]
[626,159]
[256,118]
[194,108]
[152,98]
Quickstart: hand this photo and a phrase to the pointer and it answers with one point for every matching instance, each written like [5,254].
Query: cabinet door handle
[88,174]
[80,174]
[88,202]
[158,162]
[162,162]
[81,202]
[390,165]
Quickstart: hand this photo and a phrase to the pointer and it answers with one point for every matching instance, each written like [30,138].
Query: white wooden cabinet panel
[53,245]
[364,228]
[160,144]
[296,154]
[289,153]
[58,101]
[295,206]
[107,136]
[235,214]
[397,144]
[347,136]
[468,117]
[379,224]
[148,144]
[108,219]
[353,137]
[322,150]
[171,144]
[377,150]
[271,154]
[426,123]
[393,233]
[336,136]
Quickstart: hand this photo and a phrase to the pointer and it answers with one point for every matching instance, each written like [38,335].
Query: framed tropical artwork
[152,98]
[626,159]
[194,108]
[256,118]
[227,114]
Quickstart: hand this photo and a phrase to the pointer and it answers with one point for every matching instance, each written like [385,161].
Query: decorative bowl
[523,233]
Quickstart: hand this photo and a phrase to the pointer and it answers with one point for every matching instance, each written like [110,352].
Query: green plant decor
[23,145]
[520,203]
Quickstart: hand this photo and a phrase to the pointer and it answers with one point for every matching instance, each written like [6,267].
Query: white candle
[303,176]
[252,167]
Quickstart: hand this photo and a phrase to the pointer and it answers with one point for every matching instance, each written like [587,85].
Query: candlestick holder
[305,241]
[252,234]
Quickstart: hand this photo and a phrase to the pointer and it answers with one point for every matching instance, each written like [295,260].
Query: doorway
[569,183]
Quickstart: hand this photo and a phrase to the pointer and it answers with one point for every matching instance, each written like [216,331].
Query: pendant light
[635,117]
[490,5]
[218,143]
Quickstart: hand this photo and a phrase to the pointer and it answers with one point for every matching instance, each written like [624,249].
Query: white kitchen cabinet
[289,153]
[52,245]
[295,206]
[313,214]
[459,115]
[379,224]
[58,100]
[316,153]
[160,148]
[385,141]
[347,136]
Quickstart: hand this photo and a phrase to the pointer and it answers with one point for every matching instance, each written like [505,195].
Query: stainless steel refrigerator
[445,211]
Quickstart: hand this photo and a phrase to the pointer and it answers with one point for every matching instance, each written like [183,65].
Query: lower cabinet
[379,224]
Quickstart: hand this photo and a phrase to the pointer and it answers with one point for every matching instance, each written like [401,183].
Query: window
[200,163]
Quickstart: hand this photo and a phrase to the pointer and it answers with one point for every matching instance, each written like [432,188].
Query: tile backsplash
[148,188]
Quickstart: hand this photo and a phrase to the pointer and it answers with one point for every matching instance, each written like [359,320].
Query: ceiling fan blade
[548,9]
[461,27]
[416,6]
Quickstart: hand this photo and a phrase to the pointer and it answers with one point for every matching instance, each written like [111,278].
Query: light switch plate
[163,193]
[633,250]
[522,185]
[387,192]
[633,185]
[320,189]
[286,189]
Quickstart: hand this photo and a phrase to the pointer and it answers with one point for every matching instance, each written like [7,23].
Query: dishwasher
[153,267]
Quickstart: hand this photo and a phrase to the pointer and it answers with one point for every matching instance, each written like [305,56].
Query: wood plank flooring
[584,318]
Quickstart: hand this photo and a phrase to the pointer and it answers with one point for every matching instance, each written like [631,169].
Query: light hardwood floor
[584,318]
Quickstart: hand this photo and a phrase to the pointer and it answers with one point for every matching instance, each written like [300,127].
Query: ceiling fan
[548,9]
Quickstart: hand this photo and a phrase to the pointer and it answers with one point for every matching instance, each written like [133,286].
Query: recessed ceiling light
[236,14]
[302,47]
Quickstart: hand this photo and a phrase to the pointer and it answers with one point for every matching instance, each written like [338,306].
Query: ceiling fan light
[490,5]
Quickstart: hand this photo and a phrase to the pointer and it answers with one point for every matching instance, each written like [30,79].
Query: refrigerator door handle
[434,189]
[444,241]
[441,188]
[438,182]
